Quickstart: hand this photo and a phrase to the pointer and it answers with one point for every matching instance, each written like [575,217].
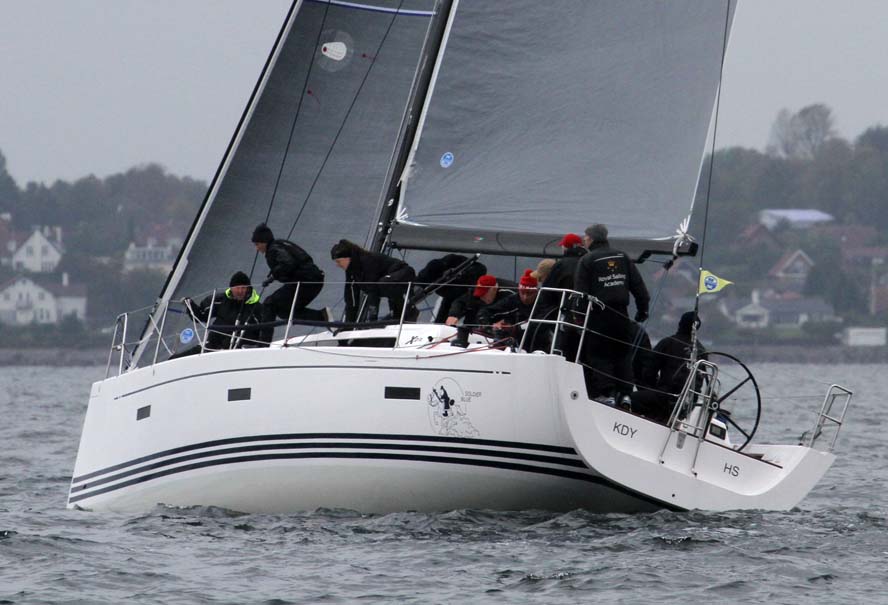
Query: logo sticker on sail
[449,409]
[186,335]
[446,160]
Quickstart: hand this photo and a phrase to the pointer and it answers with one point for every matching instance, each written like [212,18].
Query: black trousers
[278,306]
[394,288]
[652,404]
[606,353]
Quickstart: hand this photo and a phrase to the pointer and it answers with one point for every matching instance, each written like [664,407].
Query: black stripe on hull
[498,464]
[349,455]
[557,449]
[330,445]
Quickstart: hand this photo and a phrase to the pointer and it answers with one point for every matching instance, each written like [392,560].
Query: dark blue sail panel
[547,116]
[313,157]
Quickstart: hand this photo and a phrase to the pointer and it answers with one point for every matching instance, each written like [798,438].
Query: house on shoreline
[41,299]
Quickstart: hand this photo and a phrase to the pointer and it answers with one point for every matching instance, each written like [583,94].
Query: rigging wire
[721,71]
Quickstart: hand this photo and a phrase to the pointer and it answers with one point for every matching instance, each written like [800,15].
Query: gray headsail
[312,154]
[547,116]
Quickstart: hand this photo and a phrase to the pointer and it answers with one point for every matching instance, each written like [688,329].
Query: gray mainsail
[312,153]
[547,116]
[314,156]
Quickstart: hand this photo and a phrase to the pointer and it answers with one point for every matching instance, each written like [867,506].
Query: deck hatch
[239,394]
[143,412]
[402,393]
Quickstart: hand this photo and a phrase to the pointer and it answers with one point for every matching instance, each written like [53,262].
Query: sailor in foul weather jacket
[561,276]
[223,309]
[290,263]
[610,276]
[378,276]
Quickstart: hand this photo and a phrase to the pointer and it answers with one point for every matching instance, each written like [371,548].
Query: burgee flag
[711,283]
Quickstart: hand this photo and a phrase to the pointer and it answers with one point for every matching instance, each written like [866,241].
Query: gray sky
[97,86]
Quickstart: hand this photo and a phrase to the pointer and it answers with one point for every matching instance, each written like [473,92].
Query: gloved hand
[267,281]
[641,316]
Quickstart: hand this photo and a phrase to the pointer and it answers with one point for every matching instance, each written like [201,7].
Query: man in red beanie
[467,306]
[505,315]
[562,274]
[571,240]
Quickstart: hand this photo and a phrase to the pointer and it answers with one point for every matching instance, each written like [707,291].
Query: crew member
[505,315]
[236,306]
[562,273]
[291,265]
[376,275]
[467,306]
[446,270]
[562,277]
[610,276]
[666,370]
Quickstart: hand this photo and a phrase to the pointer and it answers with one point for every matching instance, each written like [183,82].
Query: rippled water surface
[833,548]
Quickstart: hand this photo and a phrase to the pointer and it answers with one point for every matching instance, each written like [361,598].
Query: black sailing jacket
[610,276]
[366,266]
[290,263]
[561,276]
[224,310]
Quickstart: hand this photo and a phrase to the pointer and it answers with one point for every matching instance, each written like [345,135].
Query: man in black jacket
[456,272]
[564,269]
[377,276]
[505,315]
[290,264]
[666,370]
[562,276]
[610,276]
[237,306]
[467,306]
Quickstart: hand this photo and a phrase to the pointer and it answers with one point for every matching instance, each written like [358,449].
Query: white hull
[362,429]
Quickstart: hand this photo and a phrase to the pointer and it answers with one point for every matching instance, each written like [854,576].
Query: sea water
[832,548]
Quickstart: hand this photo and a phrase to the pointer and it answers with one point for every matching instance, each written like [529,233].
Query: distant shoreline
[797,354]
[55,357]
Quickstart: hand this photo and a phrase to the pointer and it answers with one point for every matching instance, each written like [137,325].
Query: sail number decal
[625,430]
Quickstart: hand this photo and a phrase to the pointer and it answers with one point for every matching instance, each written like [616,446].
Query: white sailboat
[526,119]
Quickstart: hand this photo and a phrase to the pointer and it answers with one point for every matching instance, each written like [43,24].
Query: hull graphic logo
[449,409]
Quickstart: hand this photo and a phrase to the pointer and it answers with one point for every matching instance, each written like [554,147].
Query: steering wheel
[737,386]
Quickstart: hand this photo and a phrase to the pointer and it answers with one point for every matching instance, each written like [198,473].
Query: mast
[181,263]
[413,119]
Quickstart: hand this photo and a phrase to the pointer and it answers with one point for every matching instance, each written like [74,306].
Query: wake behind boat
[448,126]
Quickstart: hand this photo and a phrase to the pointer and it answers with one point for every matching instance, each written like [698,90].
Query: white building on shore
[30,299]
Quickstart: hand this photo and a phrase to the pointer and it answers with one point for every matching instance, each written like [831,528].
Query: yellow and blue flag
[710,282]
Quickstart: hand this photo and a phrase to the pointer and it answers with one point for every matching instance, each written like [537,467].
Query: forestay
[546,116]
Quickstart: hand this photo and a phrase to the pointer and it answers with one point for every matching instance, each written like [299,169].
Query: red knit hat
[483,284]
[527,280]
[570,240]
